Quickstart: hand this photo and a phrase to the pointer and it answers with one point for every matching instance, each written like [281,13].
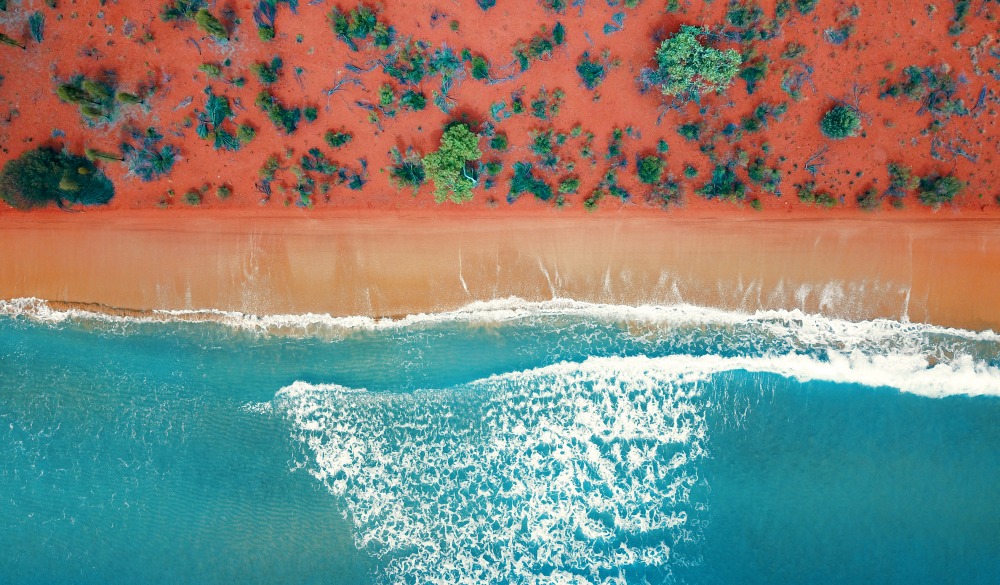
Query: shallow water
[509,442]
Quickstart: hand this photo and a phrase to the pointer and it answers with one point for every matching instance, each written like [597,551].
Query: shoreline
[937,271]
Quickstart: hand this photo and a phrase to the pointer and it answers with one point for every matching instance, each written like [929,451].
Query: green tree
[44,175]
[687,68]
[211,25]
[841,122]
[448,165]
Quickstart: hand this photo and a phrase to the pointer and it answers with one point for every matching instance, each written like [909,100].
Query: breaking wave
[571,473]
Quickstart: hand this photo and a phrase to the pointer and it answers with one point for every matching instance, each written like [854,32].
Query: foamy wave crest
[804,328]
[567,474]
[571,473]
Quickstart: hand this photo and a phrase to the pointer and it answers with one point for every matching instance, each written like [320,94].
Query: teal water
[506,443]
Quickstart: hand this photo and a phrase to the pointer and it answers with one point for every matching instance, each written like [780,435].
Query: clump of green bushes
[284,119]
[357,25]
[95,98]
[44,175]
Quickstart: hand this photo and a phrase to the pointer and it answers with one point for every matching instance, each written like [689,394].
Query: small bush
[413,100]
[650,169]
[936,189]
[284,119]
[480,68]
[337,139]
[191,197]
[267,73]
[36,25]
[569,185]
[207,22]
[407,169]
[525,181]
[148,160]
[841,122]
[591,71]
[499,142]
[356,25]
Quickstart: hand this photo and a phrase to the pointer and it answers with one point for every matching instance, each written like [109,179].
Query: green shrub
[93,154]
[148,160]
[245,133]
[95,99]
[805,6]
[267,73]
[413,100]
[691,130]
[591,71]
[181,9]
[356,25]
[724,184]
[192,197]
[525,181]
[869,199]
[407,170]
[841,122]
[936,189]
[223,192]
[310,113]
[448,166]
[569,185]
[499,142]
[207,22]
[650,169]
[386,95]
[210,70]
[6,40]
[285,119]
[337,139]
[686,68]
[42,176]
[128,98]
[480,68]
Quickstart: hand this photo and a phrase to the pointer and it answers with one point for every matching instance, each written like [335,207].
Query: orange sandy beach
[940,271]
[752,205]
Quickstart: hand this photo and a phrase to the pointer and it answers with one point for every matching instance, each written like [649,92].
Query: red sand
[85,38]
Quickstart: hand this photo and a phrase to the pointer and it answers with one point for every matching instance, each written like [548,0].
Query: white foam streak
[513,309]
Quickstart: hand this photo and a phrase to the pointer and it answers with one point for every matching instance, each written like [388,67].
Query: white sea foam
[551,475]
[566,474]
[795,322]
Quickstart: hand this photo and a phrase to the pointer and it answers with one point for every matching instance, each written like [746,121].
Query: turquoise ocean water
[508,442]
